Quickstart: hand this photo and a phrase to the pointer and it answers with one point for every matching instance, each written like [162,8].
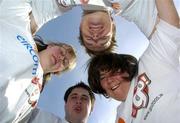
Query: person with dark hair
[148,89]
[114,65]
[79,102]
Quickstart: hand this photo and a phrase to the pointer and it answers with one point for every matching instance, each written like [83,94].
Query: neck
[76,121]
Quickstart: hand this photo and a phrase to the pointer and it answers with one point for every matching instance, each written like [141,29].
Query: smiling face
[115,84]
[55,58]
[96,30]
[78,106]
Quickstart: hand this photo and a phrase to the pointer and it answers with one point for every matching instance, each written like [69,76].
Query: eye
[63,52]
[105,37]
[89,41]
[104,74]
[102,77]
[73,97]
[84,98]
[88,38]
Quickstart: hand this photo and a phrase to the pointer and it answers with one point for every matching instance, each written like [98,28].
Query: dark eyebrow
[73,94]
[85,96]
[102,76]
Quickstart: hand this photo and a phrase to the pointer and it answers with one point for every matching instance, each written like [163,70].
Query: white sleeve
[162,53]
[118,114]
[142,12]
[40,116]
[166,40]
[45,10]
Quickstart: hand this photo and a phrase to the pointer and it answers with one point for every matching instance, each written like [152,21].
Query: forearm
[167,12]
[143,13]
[33,24]
[67,3]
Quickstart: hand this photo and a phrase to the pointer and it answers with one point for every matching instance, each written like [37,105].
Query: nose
[110,80]
[95,30]
[95,36]
[78,101]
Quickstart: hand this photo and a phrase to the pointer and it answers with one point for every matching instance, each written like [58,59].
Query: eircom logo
[31,51]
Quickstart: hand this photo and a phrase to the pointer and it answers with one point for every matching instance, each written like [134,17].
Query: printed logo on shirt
[141,96]
[31,51]
[152,104]
[121,120]
[34,94]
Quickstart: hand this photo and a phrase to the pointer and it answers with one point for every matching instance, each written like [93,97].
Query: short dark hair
[91,52]
[111,62]
[80,85]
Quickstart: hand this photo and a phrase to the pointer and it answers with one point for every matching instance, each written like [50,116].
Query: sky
[66,29]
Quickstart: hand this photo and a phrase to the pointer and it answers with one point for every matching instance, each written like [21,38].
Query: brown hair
[91,52]
[110,62]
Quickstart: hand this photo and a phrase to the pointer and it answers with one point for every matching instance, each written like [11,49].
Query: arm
[67,3]
[33,24]
[142,12]
[168,12]
[46,10]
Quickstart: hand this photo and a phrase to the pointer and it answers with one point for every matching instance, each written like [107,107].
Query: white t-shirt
[20,71]
[156,96]
[142,12]
[41,116]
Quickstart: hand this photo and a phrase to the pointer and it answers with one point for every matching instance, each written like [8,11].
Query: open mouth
[77,109]
[115,87]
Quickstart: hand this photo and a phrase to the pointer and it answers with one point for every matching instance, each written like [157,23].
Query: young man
[97,29]
[79,102]
[149,88]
